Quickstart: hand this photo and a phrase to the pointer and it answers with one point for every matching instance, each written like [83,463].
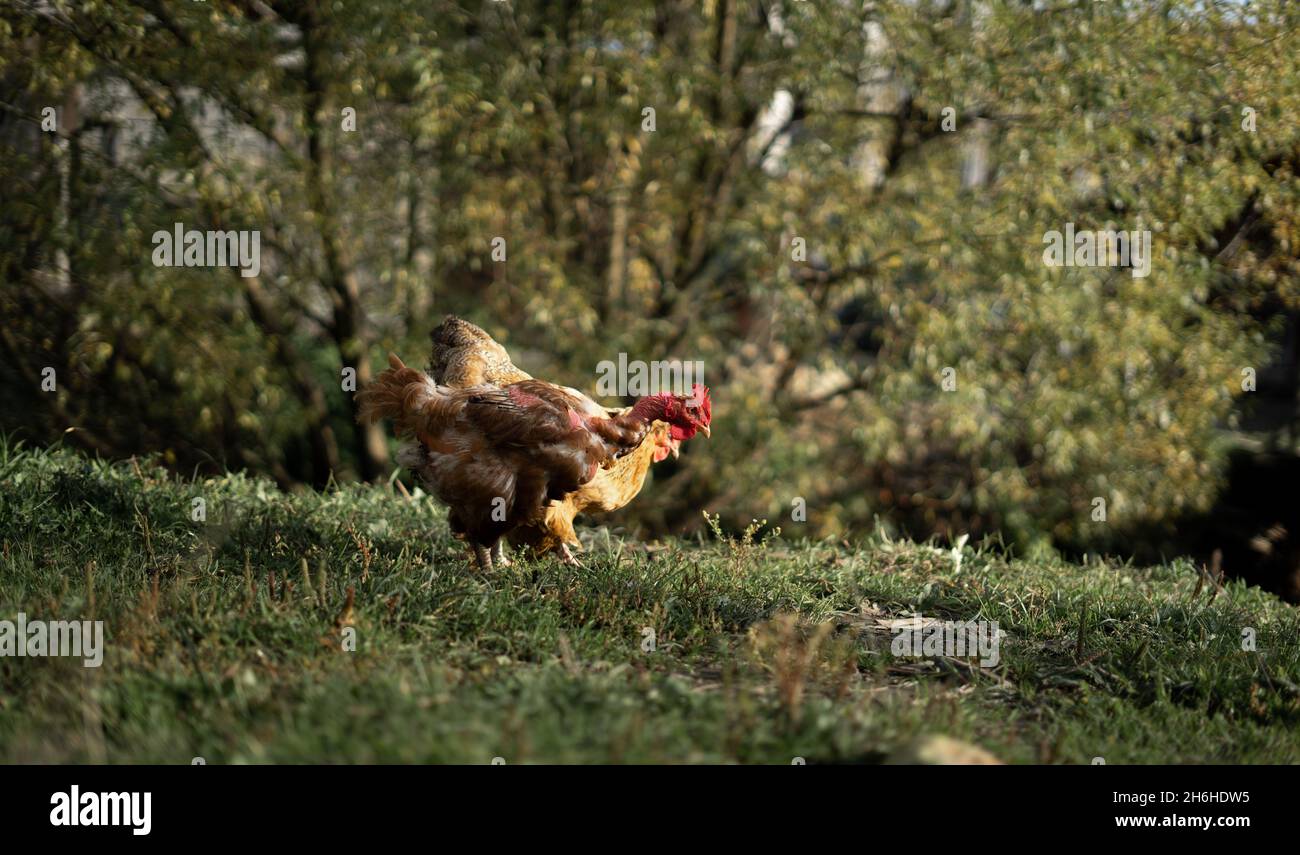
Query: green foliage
[526,121]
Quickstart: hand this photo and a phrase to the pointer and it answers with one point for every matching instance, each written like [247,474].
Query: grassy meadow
[227,639]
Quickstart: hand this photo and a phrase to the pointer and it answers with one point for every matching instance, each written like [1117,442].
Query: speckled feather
[464,355]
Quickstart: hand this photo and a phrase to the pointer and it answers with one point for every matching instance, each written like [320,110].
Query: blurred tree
[827,203]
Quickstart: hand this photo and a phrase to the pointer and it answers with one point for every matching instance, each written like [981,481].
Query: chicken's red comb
[700,394]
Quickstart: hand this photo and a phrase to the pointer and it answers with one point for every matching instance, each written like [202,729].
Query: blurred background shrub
[827,203]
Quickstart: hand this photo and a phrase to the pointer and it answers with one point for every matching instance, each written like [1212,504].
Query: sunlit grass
[225,641]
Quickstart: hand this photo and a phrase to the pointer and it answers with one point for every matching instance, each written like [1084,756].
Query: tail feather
[409,397]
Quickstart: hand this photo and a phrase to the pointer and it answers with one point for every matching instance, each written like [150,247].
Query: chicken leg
[481,557]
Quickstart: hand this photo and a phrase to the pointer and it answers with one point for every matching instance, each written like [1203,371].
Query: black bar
[333,806]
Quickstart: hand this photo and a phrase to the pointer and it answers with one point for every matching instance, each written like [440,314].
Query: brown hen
[464,355]
[497,455]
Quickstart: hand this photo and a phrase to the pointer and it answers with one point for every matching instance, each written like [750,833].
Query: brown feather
[484,450]
[465,355]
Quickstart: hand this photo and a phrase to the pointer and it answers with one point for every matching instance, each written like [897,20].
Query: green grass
[219,646]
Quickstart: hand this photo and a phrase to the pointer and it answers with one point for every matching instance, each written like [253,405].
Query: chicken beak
[704,429]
